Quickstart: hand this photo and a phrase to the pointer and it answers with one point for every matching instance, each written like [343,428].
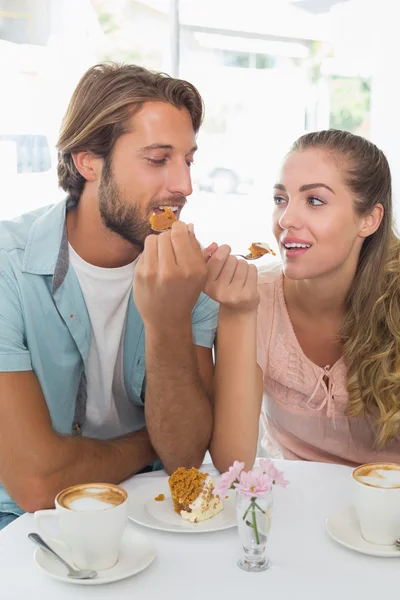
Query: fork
[73,573]
[397,543]
[248,256]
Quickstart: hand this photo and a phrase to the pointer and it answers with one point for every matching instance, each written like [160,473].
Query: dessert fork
[247,256]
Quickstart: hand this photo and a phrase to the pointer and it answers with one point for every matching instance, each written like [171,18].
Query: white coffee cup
[377,501]
[92,518]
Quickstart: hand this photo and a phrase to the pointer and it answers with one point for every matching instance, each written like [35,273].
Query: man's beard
[126,221]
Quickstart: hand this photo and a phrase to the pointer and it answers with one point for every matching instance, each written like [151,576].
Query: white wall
[368,30]
[385,109]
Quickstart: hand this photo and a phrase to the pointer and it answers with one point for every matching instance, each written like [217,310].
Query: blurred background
[268,71]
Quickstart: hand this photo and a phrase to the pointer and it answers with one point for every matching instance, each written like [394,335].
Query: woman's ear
[372,221]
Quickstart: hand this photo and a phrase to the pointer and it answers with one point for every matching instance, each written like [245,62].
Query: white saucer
[146,511]
[343,527]
[137,553]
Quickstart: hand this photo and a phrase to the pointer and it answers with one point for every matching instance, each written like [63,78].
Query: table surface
[306,562]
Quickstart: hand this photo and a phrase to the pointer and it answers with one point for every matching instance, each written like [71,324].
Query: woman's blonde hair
[104,101]
[371,328]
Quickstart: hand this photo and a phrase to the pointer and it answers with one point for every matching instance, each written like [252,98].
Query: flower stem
[259,507]
[253,505]
[248,508]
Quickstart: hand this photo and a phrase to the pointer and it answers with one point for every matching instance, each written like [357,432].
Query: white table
[306,562]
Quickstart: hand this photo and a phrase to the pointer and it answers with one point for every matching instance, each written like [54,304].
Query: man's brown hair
[105,99]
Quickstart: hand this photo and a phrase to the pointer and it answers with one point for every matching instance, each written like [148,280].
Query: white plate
[143,509]
[343,527]
[137,553]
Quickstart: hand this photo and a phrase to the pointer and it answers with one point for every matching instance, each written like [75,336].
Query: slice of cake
[160,221]
[192,495]
[258,249]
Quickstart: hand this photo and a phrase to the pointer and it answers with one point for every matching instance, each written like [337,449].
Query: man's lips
[175,208]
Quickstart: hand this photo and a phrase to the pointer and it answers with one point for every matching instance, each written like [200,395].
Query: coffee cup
[377,501]
[91,520]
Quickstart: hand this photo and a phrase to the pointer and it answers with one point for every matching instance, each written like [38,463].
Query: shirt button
[77,427]
[71,316]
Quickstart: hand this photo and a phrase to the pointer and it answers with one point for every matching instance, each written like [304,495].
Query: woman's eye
[314,201]
[279,200]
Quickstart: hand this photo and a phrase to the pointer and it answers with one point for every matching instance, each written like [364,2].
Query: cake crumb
[159,498]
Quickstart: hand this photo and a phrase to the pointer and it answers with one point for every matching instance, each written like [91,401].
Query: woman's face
[315,224]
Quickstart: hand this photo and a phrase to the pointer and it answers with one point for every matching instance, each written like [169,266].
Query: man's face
[149,168]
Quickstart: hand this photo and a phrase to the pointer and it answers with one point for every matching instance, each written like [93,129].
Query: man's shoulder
[206,305]
[14,233]
[205,321]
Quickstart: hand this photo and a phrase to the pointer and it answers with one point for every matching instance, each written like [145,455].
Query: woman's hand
[231,281]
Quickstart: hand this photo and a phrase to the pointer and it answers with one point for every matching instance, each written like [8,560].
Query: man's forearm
[178,405]
[80,460]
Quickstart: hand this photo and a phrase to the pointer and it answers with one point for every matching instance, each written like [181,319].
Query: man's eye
[157,162]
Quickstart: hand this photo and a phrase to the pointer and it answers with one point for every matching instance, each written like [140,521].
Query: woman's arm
[237,392]
[237,381]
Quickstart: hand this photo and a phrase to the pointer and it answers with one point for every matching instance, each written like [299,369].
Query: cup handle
[41,515]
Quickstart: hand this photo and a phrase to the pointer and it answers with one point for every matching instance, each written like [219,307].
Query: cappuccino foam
[90,498]
[379,475]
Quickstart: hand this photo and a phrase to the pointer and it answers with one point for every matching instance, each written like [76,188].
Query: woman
[328,329]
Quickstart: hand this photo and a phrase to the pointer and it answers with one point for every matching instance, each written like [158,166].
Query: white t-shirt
[109,412]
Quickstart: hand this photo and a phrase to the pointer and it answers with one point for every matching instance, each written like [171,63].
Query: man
[75,342]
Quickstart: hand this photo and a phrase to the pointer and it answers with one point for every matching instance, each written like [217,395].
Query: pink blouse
[304,404]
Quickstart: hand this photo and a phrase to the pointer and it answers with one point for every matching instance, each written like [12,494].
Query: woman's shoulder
[269,273]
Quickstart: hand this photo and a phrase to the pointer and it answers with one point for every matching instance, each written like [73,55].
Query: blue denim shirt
[45,327]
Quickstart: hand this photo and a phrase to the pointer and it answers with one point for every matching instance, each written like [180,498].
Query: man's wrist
[172,331]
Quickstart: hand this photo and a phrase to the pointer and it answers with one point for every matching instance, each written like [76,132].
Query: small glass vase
[254,522]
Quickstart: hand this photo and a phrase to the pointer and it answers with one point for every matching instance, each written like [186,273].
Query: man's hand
[36,463]
[231,282]
[169,277]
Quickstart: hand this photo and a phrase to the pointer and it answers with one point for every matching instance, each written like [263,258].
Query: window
[267,71]
[32,152]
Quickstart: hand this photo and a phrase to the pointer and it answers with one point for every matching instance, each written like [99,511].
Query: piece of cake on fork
[258,249]
[192,495]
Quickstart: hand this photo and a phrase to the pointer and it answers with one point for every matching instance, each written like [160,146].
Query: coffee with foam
[91,520]
[376,493]
[379,475]
[92,497]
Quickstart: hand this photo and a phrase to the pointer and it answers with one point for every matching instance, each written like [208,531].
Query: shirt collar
[47,240]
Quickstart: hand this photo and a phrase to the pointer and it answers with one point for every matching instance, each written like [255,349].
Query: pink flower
[268,467]
[228,479]
[254,483]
